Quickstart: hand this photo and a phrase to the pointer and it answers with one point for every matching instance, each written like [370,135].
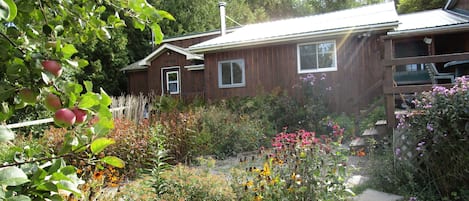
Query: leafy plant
[438,135]
[301,166]
[185,183]
[39,56]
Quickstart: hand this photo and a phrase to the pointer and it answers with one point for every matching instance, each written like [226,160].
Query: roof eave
[286,38]
[430,30]
[189,56]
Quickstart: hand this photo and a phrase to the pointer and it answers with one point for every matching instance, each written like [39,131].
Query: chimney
[222,5]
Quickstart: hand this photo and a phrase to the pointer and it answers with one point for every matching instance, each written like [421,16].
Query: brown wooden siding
[272,67]
[137,82]
[191,81]
[462,4]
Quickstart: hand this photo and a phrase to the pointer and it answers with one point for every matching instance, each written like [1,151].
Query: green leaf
[68,170]
[88,86]
[19,198]
[47,186]
[138,25]
[5,111]
[6,134]
[12,176]
[56,165]
[69,186]
[68,50]
[114,161]
[73,88]
[8,10]
[156,29]
[100,144]
[82,63]
[103,34]
[105,99]
[45,78]
[38,176]
[165,14]
[88,100]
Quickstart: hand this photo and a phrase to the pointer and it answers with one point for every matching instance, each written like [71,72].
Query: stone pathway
[372,195]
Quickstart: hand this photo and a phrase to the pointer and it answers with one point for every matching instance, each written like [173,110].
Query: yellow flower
[266,170]
[249,183]
[258,198]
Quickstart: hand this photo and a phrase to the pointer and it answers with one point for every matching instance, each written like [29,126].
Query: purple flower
[412,199]
[397,152]
[429,127]
[323,76]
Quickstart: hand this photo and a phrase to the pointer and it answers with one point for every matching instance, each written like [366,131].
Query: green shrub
[182,131]
[231,133]
[184,183]
[135,144]
[438,134]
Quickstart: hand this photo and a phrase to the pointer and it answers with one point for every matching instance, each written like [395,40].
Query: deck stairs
[375,137]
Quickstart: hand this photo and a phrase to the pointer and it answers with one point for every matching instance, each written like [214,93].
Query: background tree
[409,6]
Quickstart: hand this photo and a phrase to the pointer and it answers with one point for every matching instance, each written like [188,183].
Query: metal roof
[372,17]
[428,21]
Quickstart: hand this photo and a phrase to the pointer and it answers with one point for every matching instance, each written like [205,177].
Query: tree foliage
[40,43]
[201,15]
[409,6]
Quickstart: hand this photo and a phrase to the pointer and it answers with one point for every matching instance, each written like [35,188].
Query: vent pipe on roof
[222,5]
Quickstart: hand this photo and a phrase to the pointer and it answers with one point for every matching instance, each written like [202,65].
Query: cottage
[363,52]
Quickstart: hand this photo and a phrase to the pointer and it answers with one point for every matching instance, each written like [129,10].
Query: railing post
[388,83]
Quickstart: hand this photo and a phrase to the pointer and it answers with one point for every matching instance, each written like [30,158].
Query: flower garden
[298,149]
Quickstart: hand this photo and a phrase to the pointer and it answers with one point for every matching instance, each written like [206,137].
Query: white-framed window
[317,57]
[231,73]
[172,82]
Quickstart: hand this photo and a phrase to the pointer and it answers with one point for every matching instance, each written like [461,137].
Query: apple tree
[37,61]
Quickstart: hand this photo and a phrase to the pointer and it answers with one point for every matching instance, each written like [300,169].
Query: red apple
[64,117]
[27,95]
[53,67]
[80,114]
[52,102]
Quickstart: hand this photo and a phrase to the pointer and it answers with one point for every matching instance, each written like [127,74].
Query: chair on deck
[435,75]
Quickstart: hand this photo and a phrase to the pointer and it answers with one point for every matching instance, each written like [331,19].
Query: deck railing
[391,90]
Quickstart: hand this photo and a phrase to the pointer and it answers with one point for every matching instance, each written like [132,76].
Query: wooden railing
[390,89]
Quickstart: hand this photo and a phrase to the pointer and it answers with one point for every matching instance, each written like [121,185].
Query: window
[231,74]
[317,57]
[172,82]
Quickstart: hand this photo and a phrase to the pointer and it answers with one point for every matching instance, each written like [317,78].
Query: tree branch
[42,11]
[37,160]
[12,43]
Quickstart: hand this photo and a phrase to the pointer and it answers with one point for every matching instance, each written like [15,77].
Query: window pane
[173,87]
[326,56]
[237,73]
[325,60]
[172,77]
[225,73]
[308,57]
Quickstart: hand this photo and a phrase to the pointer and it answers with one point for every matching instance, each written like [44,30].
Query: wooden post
[388,83]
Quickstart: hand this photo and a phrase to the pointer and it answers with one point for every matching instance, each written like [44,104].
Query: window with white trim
[317,57]
[172,82]
[231,73]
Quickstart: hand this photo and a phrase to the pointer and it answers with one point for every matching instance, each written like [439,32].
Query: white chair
[435,75]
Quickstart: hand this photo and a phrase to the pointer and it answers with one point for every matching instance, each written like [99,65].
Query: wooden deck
[390,62]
